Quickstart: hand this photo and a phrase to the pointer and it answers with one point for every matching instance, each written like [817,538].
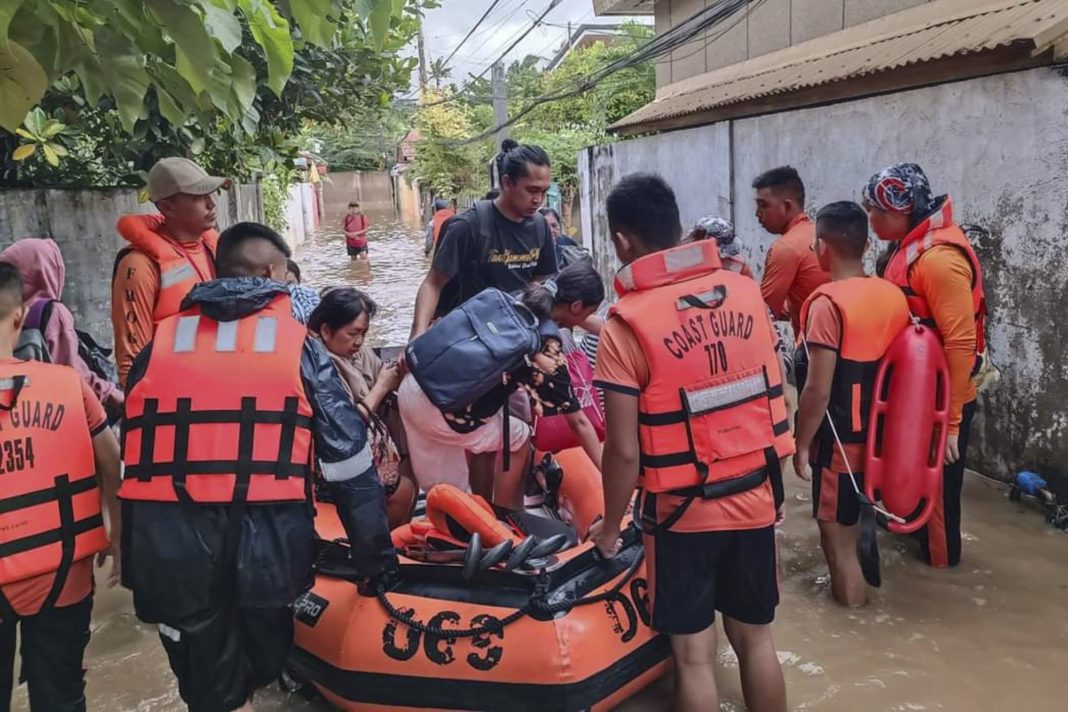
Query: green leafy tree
[367,141]
[443,162]
[238,109]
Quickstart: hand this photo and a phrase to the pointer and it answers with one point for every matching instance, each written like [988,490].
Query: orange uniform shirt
[133,301]
[621,365]
[943,277]
[792,271]
[22,594]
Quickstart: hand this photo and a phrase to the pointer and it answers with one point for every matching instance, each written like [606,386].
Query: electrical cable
[471,31]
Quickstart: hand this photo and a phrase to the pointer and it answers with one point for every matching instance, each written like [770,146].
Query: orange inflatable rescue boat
[492,609]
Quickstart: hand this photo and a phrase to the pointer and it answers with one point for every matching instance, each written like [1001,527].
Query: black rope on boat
[536,604]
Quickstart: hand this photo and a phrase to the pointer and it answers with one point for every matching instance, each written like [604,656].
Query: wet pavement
[990,635]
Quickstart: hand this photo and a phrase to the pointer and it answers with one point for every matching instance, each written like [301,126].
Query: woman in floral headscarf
[720,230]
[937,269]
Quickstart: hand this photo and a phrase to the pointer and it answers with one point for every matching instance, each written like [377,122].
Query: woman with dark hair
[562,241]
[341,322]
[478,430]
[935,266]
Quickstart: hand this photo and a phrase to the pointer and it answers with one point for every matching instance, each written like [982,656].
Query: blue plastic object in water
[1030,482]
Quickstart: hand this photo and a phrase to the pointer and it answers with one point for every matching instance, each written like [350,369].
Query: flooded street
[991,635]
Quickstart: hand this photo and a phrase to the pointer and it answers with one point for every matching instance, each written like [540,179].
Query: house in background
[972,90]
[584,36]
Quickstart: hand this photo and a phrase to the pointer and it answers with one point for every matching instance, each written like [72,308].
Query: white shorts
[439,453]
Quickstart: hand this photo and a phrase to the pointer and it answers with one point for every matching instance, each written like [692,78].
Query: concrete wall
[82,222]
[770,26]
[986,142]
[371,188]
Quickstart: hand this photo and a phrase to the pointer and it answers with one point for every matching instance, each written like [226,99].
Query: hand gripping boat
[492,610]
[908,427]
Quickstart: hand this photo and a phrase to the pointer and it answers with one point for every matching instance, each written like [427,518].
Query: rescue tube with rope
[908,428]
[497,610]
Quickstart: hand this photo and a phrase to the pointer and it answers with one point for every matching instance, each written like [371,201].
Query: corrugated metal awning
[928,32]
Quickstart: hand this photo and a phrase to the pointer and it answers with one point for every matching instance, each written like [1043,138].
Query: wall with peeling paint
[998,145]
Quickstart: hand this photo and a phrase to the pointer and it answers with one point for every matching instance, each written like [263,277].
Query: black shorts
[356,251]
[694,574]
[222,655]
[833,496]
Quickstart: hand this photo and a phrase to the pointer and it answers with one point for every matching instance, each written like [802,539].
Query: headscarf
[41,265]
[900,188]
[721,231]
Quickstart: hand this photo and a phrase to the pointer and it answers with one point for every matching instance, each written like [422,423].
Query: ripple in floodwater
[396,269]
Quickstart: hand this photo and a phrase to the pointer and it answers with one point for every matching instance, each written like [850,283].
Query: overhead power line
[470,32]
[674,38]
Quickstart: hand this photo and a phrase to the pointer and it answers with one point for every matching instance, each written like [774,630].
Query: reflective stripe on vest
[220,411]
[872,312]
[940,230]
[714,405]
[49,502]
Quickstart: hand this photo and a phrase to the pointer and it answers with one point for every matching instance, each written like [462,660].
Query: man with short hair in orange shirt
[791,270]
[935,266]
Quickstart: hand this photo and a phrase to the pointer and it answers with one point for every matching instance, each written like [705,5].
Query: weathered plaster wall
[82,222]
[998,145]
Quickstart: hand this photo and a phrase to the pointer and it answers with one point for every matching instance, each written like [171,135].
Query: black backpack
[32,346]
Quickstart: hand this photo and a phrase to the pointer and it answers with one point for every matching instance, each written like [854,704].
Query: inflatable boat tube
[908,427]
[566,632]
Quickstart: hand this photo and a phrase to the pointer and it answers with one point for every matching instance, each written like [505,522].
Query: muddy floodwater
[990,635]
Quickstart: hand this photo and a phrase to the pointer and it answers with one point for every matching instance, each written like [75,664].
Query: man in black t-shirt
[502,243]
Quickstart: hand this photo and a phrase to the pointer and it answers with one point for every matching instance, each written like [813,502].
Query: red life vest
[49,502]
[712,421]
[220,413]
[178,273]
[440,217]
[873,312]
[938,229]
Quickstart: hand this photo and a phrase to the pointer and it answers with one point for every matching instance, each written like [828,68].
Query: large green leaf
[22,84]
[125,75]
[271,32]
[174,84]
[186,29]
[7,11]
[243,77]
[313,19]
[131,18]
[223,25]
[379,19]
[169,108]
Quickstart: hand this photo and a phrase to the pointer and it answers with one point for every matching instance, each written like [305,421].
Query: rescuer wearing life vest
[791,271]
[846,326]
[167,254]
[224,410]
[695,416]
[939,273]
[58,461]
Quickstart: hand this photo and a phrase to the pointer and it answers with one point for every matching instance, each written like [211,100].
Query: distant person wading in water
[355,225]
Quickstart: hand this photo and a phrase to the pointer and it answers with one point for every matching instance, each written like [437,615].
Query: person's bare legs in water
[763,684]
[839,544]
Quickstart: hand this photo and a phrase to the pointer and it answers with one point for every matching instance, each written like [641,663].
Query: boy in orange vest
[694,406]
[846,326]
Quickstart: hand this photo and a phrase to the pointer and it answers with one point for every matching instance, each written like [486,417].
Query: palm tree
[438,71]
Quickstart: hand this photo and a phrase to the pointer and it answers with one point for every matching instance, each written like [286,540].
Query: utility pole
[500,101]
[422,59]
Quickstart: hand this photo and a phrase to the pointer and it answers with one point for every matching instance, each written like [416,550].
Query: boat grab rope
[537,604]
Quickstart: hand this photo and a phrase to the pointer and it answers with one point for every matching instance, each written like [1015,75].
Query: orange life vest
[220,414]
[712,421]
[177,271]
[440,217]
[873,312]
[737,263]
[939,229]
[49,502]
